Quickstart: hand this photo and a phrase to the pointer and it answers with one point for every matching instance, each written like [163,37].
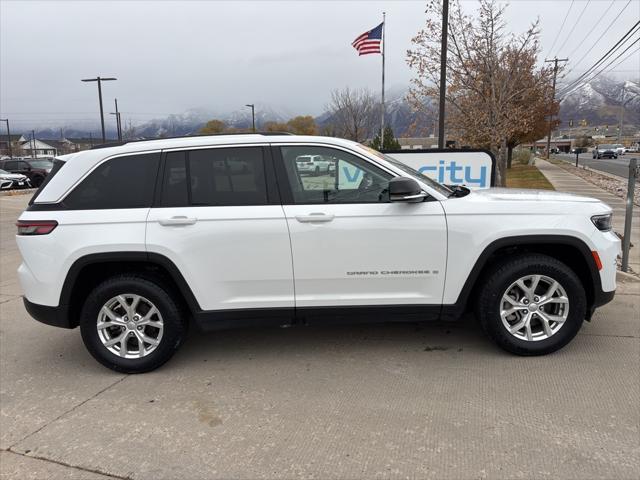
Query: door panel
[231,257]
[370,254]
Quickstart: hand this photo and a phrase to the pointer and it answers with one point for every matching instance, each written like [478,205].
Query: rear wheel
[531,304]
[131,324]
[37,181]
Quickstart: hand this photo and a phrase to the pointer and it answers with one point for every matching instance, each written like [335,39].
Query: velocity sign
[472,168]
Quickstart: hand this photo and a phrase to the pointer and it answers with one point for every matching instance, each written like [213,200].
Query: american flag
[369,42]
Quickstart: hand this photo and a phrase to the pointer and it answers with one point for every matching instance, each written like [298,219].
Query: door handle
[315,217]
[177,221]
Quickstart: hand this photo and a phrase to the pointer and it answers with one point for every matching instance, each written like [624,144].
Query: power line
[561,27]
[580,44]
[574,27]
[604,58]
[603,69]
[604,32]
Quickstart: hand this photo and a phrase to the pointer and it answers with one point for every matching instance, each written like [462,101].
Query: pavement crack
[605,335]
[64,464]
[68,411]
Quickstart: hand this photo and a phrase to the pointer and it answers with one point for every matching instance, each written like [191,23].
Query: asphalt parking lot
[366,401]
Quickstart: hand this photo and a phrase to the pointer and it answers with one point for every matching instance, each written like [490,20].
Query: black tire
[501,276]
[173,316]
[37,181]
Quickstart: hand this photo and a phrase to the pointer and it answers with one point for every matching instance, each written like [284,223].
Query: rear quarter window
[121,182]
[57,165]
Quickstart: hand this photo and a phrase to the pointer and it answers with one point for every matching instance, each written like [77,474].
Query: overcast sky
[170,56]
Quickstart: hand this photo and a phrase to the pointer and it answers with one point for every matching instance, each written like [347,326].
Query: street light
[8,137]
[100,80]
[253,115]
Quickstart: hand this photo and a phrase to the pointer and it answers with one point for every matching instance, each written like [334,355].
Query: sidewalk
[564,181]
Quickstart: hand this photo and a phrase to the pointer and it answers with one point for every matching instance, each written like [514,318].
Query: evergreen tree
[389,141]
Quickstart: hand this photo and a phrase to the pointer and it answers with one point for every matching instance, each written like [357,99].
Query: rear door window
[215,177]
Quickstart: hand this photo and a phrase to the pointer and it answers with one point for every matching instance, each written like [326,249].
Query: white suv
[136,242]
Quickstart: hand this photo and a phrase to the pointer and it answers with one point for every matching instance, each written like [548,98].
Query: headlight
[602,222]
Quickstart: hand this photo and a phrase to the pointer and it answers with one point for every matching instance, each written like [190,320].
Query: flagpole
[384,27]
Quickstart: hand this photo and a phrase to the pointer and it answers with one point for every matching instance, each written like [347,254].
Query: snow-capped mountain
[598,102]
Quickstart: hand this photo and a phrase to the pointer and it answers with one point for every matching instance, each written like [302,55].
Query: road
[365,401]
[615,166]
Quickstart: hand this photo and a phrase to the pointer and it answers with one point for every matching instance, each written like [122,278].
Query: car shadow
[297,341]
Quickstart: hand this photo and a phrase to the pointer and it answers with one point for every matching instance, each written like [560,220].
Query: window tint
[217,177]
[174,190]
[326,175]
[123,182]
[11,165]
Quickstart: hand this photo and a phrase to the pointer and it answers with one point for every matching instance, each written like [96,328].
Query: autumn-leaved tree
[353,113]
[213,127]
[302,125]
[493,81]
[272,126]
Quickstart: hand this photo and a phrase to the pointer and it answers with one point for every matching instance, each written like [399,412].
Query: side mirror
[403,189]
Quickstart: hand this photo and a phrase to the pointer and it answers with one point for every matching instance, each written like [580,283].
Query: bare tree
[493,82]
[353,113]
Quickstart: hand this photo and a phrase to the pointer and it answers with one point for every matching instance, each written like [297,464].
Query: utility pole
[33,145]
[118,121]
[8,137]
[383,35]
[100,80]
[553,98]
[621,111]
[253,116]
[443,71]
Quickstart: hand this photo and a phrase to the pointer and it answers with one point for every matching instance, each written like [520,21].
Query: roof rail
[124,142]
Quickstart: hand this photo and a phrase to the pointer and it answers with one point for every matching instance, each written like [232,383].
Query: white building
[39,148]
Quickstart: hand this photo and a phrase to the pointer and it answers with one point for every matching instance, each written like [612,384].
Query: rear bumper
[55,316]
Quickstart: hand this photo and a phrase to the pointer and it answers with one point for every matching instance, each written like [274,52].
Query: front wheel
[132,324]
[531,304]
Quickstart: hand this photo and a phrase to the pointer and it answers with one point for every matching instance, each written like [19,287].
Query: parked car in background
[313,164]
[605,151]
[35,169]
[632,149]
[10,181]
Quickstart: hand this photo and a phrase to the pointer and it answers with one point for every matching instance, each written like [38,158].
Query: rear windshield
[57,165]
[607,147]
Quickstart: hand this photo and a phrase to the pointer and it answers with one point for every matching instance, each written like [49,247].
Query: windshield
[607,147]
[409,171]
[4,172]
[41,163]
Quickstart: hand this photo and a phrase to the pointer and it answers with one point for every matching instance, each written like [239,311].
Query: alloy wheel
[534,307]
[130,326]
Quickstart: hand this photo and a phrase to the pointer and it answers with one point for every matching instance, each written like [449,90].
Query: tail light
[36,227]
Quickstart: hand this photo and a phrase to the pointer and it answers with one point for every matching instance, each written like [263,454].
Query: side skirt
[285,317]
